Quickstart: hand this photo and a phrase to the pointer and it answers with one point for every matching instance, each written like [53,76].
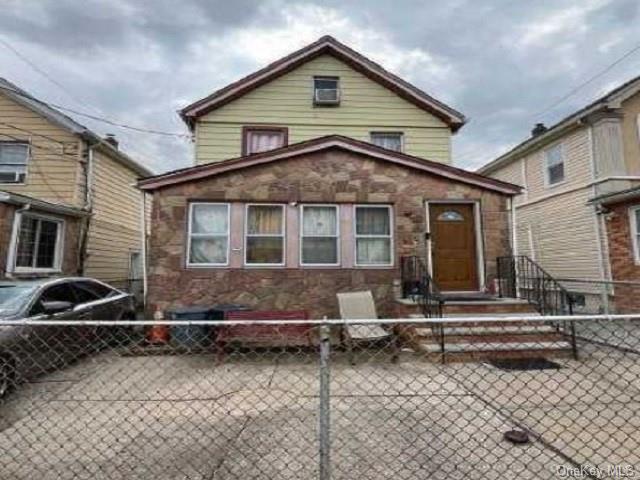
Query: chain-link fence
[602,296]
[392,399]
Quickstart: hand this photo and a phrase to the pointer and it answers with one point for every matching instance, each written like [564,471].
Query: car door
[60,344]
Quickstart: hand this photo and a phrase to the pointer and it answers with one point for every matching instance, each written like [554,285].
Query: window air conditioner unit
[327,96]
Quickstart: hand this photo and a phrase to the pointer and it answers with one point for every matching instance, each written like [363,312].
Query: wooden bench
[264,335]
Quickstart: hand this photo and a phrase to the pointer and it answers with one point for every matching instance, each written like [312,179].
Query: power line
[95,117]
[588,81]
[467,153]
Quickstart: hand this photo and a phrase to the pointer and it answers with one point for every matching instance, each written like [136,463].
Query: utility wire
[95,117]
[468,153]
[574,90]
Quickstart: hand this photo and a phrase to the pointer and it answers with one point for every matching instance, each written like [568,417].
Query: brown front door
[453,246]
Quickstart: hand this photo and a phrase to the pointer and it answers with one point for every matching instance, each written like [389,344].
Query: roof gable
[329,46]
[325,143]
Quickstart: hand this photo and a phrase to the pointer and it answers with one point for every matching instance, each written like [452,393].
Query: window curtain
[211,219]
[372,221]
[319,221]
[264,220]
[373,251]
[388,141]
[265,240]
[319,235]
[209,234]
[373,232]
[262,141]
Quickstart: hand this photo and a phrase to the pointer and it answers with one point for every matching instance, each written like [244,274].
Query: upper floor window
[388,140]
[264,235]
[39,243]
[554,165]
[326,90]
[262,139]
[319,235]
[13,162]
[208,234]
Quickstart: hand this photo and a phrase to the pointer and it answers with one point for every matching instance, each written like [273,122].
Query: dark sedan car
[27,351]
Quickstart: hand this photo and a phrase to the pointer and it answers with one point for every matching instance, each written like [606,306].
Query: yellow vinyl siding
[565,240]
[54,171]
[365,106]
[555,225]
[631,134]
[115,225]
[577,166]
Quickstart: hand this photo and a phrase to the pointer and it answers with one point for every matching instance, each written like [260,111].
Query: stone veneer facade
[330,176]
[621,257]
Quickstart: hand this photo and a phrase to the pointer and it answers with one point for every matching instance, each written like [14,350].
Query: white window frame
[378,132]
[283,234]
[15,238]
[635,242]
[545,165]
[190,235]
[336,236]
[390,236]
[27,162]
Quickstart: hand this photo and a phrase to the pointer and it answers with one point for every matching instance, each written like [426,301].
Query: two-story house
[315,175]
[572,173]
[68,200]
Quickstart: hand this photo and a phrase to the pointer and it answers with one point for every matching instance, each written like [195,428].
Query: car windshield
[13,297]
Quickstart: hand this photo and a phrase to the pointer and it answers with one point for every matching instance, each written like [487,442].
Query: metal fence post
[325,348]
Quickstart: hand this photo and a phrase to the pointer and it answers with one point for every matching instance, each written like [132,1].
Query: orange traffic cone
[158,334]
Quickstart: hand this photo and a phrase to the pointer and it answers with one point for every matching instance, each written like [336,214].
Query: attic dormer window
[326,91]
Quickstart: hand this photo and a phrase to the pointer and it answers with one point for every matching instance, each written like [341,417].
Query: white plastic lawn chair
[361,306]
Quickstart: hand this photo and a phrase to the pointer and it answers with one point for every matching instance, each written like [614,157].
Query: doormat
[525,364]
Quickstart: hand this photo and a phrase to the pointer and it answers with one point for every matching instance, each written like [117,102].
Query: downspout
[88,207]
[143,232]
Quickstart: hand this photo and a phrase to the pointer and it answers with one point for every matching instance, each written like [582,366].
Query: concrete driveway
[184,417]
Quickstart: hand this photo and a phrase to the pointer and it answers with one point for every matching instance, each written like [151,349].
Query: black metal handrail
[521,277]
[418,285]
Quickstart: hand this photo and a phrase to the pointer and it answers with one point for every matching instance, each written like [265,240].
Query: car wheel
[6,376]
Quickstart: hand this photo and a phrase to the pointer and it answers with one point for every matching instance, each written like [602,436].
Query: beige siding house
[368,104]
[563,169]
[67,197]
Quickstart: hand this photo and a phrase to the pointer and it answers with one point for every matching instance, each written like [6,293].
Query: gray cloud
[499,62]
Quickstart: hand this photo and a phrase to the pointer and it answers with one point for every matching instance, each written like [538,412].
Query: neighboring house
[319,180]
[68,201]
[591,154]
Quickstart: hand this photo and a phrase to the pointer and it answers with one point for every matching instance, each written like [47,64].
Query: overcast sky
[137,62]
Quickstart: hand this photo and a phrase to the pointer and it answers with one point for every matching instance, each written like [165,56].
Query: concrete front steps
[466,341]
